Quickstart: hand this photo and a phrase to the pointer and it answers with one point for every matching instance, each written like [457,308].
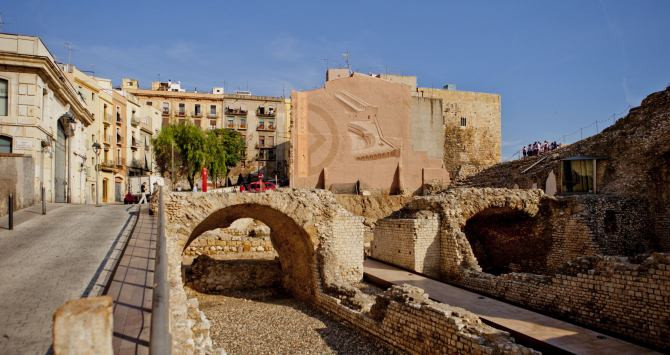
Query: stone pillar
[84,326]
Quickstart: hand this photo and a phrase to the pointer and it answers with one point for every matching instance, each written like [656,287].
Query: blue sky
[559,65]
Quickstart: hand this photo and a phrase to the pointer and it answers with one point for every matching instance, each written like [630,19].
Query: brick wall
[406,319]
[410,243]
[616,294]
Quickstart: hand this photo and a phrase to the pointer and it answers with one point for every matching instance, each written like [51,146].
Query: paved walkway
[132,290]
[47,260]
[538,327]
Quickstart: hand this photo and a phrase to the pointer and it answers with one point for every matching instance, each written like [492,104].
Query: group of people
[538,148]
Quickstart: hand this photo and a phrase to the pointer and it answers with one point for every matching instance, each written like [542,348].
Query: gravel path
[264,322]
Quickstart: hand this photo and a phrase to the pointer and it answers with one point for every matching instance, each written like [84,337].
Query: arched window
[4,97]
[5,144]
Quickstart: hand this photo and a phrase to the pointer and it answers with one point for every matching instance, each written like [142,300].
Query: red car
[260,187]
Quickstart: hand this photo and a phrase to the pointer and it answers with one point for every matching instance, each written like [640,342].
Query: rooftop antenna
[69,48]
[346,60]
[2,22]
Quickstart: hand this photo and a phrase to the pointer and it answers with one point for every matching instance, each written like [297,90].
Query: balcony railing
[236,111]
[213,115]
[230,125]
[265,112]
[181,113]
[135,144]
[119,121]
[263,127]
[137,164]
[119,140]
[134,122]
[166,112]
[107,139]
[242,126]
[120,162]
[107,163]
[196,114]
[107,120]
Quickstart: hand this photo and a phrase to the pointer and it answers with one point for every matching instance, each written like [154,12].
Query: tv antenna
[345,55]
[2,22]
[69,48]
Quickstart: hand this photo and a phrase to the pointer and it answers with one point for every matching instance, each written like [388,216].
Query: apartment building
[263,121]
[43,125]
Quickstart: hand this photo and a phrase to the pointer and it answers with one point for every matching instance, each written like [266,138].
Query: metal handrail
[161,339]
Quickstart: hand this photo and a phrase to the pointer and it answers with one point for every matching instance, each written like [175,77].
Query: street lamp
[96,149]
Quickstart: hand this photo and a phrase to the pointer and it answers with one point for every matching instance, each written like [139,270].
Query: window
[197,110]
[261,141]
[166,107]
[578,175]
[212,124]
[212,110]
[197,123]
[5,144]
[231,122]
[149,103]
[182,108]
[243,123]
[271,141]
[464,121]
[271,124]
[261,124]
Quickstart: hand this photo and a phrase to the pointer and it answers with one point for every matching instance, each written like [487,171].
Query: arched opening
[292,243]
[507,240]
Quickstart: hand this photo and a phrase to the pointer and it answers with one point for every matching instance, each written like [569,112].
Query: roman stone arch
[320,244]
[457,206]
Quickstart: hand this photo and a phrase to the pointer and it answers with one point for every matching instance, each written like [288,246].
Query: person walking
[523,150]
[143,190]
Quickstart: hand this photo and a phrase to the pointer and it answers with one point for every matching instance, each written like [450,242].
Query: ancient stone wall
[209,275]
[406,319]
[410,243]
[616,294]
[372,208]
[210,243]
[335,264]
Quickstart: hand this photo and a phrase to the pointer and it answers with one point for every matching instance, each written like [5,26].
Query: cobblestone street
[47,260]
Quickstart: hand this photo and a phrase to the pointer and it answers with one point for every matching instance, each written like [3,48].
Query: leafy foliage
[192,149]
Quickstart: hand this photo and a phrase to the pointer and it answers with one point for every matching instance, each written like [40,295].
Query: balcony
[196,114]
[135,144]
[119,140]
[145,124]
[119,120]
[107,165]
[181,113]
[137,164]
[166,112]
[263,127]
[134,122]
[120,162]
[107,120]
[212,115]
[236,111]
[230,125]
[265,112]
[243,126]
[107,140]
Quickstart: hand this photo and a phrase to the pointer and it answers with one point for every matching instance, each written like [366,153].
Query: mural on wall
[366,137]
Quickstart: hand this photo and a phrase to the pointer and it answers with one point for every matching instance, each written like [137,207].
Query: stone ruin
[320,249]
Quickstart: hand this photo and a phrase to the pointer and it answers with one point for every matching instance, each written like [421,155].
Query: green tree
[227,148]
[187,145]
[191,149]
